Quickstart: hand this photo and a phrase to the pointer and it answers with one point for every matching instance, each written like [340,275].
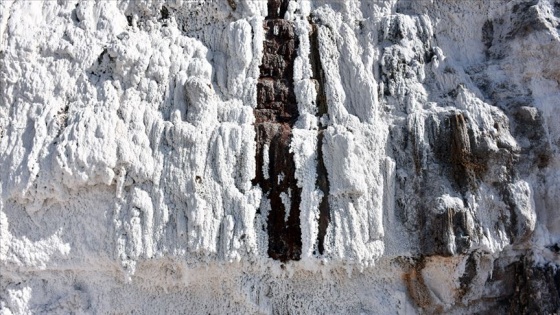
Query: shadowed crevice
[321,102]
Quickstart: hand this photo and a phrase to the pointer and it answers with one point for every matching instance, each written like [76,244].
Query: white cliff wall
[239,156]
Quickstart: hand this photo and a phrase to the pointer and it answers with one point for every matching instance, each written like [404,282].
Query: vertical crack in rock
[322,176]
[323,184]
[275,115]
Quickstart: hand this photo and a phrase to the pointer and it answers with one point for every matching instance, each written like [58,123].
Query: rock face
[280,156]
[275,116]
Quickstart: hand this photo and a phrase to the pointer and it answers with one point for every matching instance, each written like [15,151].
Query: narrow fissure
[322,176]
[275,116]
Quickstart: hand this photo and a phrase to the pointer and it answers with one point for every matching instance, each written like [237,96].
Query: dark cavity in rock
[164,13]
[277,9]
[232,4]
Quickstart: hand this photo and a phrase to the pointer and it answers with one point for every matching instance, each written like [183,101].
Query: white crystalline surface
[127,154]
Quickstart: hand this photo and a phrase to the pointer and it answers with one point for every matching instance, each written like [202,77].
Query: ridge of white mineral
[425,144]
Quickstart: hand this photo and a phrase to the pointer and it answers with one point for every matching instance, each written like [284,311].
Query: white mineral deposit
[279,157]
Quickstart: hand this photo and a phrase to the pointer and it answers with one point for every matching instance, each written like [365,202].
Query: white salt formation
[279,156]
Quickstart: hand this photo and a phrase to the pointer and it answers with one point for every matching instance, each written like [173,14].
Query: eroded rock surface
[275,116]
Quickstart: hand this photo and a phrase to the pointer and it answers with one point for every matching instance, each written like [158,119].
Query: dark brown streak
[275,116]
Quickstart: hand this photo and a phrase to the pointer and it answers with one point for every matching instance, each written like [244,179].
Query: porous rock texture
[280,156]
